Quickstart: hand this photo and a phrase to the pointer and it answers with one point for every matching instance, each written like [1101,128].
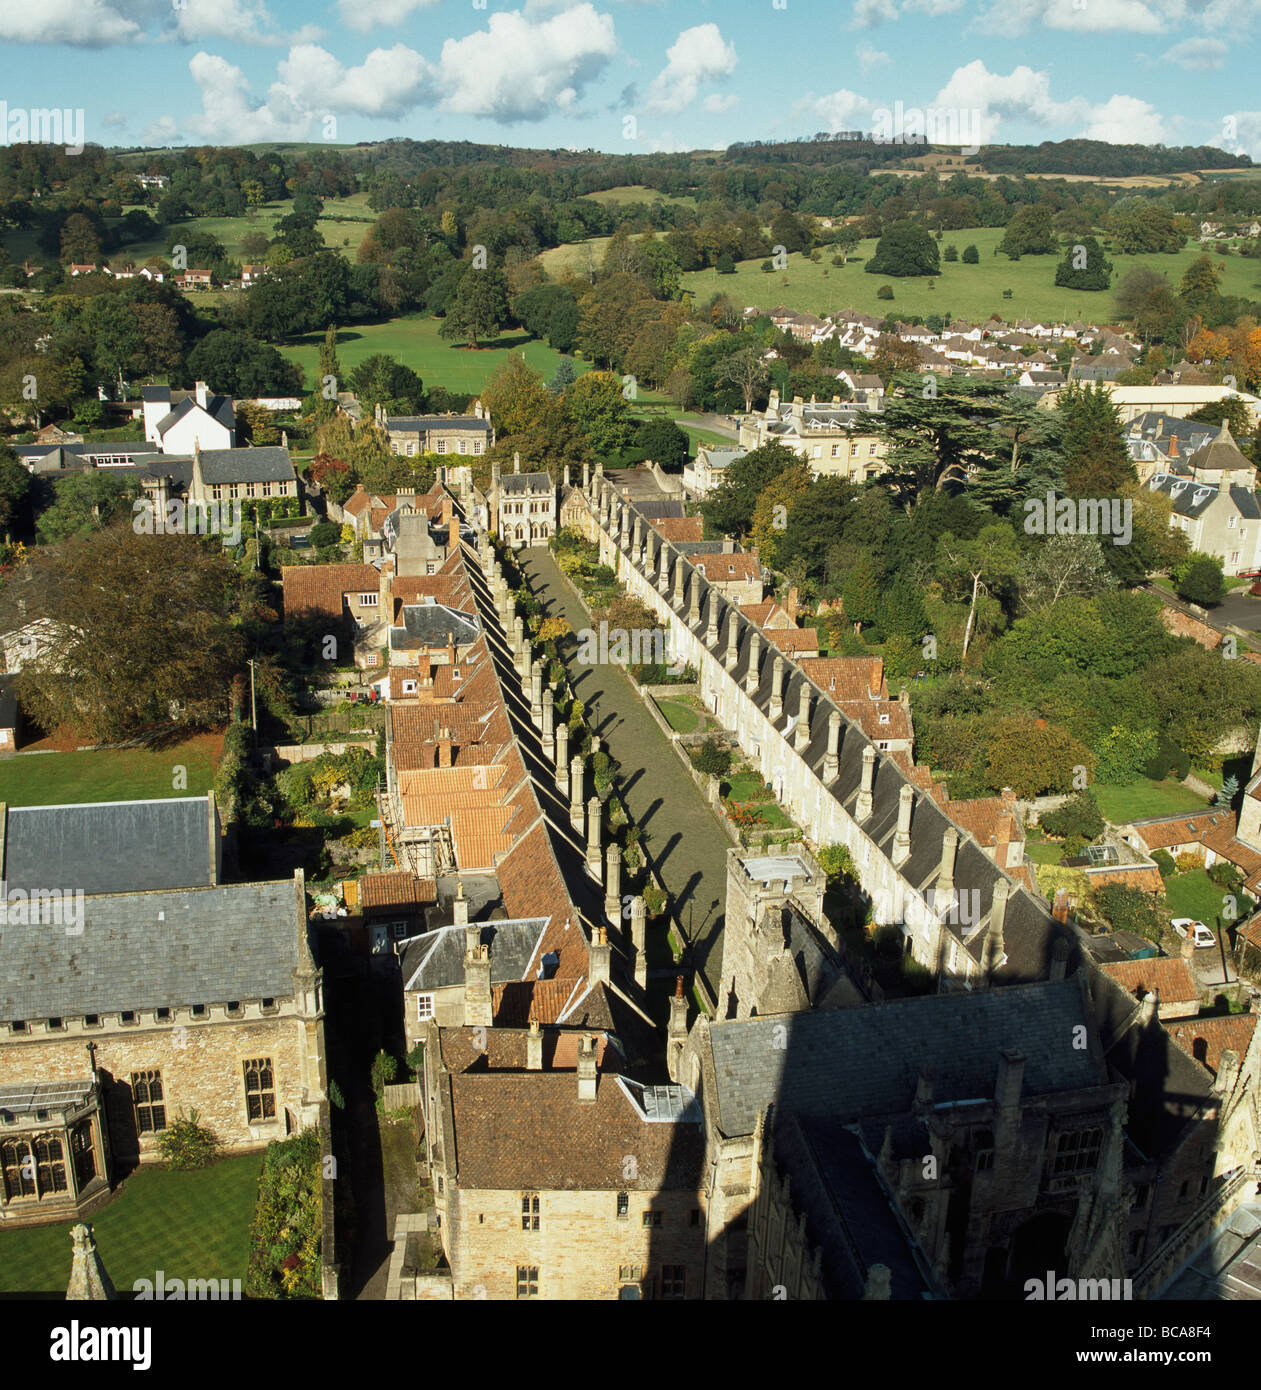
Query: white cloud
[1022,95]
[1241,133]
[870,57]
[1123,120]
[365,15]
[1200,55]
[1010,18]
[519,70]
[163,131]
[389,82]
[717,105]
[698,55]
[868,14]
[229,113]
[933,8]
[245,21]
[114,120]
[843,110]
[81,23]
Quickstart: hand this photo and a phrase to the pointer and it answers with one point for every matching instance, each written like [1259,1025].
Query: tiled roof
[794,640]
[529,1130]
[1170,977]
[680,529]
[847,677]
[732,568]
[319,588]
[396,890]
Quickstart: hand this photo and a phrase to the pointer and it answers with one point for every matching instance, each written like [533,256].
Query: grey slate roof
[110,846]
[1188,499]
[410,424]
[155,950]
[847,1063]
[436,960]
[218,407]
[266,465]
[526,482]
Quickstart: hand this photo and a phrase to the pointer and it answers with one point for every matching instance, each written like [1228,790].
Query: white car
[1199,932]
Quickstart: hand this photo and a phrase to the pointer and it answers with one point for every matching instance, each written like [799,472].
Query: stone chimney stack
[586,1070]
[711,626]
[453,535]
[600,957]
[1011,1079]
[801,734]
[459,905]
[663,567]
[694,598]
[575,792]
[676,592]
[994,945]
[945,885]
[534,1047]
[536,693]
[1188,947]
[549,723]
[676,1029]
[1227,1073]
[639,938]
[777,688]
[902,836]
[923,1103]
[733,639]
[594,855]
[516,463]
[477,1000]
[831,759]
[753,675]
[562,758]
[613,883]
[1059,909]
[1149,1009]
[863,810]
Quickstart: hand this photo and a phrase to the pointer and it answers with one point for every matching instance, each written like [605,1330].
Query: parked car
[1200,933]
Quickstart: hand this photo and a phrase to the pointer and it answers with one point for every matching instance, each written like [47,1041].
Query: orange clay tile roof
[1170,977]
[516,1005]
[847,677]
[504,1048]
[1207,1038]
[794,640]
[867,714]
[532,885]
[767,614]
[319,588]
[989,819]
[396,890]
[735,568]
[679,529]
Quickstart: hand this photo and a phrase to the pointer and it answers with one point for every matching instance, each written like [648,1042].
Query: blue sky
[634,76]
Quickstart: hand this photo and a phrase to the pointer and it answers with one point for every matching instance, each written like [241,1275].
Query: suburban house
[194,280]
[177,420]
[251,275]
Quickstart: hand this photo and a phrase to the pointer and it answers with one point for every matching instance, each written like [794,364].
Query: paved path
[685,846]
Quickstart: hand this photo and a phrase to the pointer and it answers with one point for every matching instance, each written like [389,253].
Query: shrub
[1079,816]
[971,256]
[885,292]
[285,1236]
[836,862]
[1128,909]
[187,1145]
[384,1070]
[713,758]
[1188,861]
[1226,875]
[654,900]
[335,1097]
[1163,860]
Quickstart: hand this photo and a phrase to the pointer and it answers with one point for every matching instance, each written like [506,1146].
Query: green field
[965,291]
[1195,895]
[1144,798]
[414,341]
[188,1225]
[109,774]
[638,193]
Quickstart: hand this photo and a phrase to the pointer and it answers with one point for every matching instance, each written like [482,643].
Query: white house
[176,420]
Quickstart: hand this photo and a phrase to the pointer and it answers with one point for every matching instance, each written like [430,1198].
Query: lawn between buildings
[188,1225]
[111,774]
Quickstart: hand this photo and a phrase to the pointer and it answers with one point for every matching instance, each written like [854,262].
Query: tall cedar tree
[1096,463]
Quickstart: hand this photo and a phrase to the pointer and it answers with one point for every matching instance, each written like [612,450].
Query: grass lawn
[1145,798]
[414,341]
[1195,895]
[965,291]
[110,774]
[680,718]
[188,1225]
[1043,851]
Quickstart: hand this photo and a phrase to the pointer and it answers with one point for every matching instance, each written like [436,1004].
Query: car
[1199,932]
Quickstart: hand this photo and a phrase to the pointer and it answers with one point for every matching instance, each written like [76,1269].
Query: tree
[971,255]
[861,592]
[165,655]
[1067,566]
[1079,815]
[906,248]
[1030,233]
[746,370]
[936,441]
[1032,756]
[382,380]
[84,502]
[1084,267]
[665,443]
[726,264]
[236,364]
[15,489]
[479,308]
[729,508]
[1200,580]
[951,253]
[601,411]
[562,378]
[885,291]
[770,512]
[988,561]
[1096,462]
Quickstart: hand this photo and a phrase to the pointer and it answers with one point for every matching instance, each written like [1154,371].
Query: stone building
[411,435]
[151,1005]
[837,440]
[523,506]
[557,1172]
